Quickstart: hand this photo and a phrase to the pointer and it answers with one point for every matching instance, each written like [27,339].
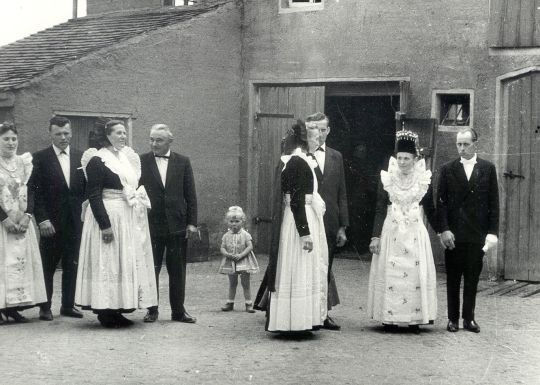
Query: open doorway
[363,130]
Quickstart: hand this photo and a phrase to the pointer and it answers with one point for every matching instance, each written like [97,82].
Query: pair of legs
[63,246]
[174,247]
[245,281]
[465,260]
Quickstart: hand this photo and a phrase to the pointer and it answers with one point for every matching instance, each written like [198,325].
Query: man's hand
[10,226]
[107,235]
[46,229]
[375,245]
[341,237]
[448,239]
[192,231]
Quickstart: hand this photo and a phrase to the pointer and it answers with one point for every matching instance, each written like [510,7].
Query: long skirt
[21,274]
[300,300]
[402,286]
[117,275]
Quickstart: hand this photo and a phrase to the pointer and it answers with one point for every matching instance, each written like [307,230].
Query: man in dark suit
[59,187]
[468,219]
[168,180]
[333,191]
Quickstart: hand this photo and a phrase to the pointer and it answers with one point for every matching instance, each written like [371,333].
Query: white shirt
[63,158]
[468,165]
[320,156]
[162,164]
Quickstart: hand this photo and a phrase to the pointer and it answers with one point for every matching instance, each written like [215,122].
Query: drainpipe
[75,4]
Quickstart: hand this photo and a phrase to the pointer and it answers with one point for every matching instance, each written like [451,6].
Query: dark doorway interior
[363,130]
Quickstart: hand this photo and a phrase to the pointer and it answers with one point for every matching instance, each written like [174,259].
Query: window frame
[288,6]
[436,107]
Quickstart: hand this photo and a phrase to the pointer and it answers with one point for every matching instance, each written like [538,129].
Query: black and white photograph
[270,192]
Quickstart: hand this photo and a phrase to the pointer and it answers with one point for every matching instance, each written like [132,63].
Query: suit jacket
[470,209]
[54,199]
[334,192]
[174,205]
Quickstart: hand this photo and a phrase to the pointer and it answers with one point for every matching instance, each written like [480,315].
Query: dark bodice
[297,180]
[99,178]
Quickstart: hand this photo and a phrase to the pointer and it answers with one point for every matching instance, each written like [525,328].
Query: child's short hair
[235,212]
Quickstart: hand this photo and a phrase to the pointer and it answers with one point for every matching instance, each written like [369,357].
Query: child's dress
[236,243]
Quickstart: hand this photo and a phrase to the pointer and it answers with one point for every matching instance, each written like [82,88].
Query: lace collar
[127,165]
[298,152]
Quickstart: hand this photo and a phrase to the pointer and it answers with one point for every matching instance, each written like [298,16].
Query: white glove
[491,242]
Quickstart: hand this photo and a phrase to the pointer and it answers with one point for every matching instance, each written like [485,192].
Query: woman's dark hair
[296,137]
[103,128]
[8,126]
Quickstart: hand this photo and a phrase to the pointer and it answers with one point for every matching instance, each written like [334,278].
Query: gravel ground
[233,348]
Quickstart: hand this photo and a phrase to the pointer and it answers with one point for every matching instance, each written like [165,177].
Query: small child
[238,257]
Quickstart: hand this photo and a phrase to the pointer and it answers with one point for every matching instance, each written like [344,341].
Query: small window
[177,3]
[287,6]
[453,109]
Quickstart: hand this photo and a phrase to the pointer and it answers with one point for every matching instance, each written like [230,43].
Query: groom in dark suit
[333,191]
[468,219]
[168,180]
[59,188]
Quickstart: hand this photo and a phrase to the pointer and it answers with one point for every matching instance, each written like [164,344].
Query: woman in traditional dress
[298,293]
[402,281]
[21,274]
[116,267]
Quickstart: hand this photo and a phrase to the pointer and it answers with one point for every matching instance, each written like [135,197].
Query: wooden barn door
[522,243]
[278,109]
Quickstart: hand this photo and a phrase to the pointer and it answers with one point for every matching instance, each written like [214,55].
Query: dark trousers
[63,246]
[175,259]
[464,260]
[333,295]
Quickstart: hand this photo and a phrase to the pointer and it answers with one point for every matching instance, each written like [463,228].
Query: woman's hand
[23,224]
[307,243]
[107,235]
[10,226]
[375,246]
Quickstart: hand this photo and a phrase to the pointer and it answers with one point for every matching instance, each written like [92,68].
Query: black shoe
[183,317]
[471,326]
[390,328]
[108,321]
[452,326]
[15,316]
[70,312]
[330,324]
[415,329]
[45,315]
[122,321]
[151,316]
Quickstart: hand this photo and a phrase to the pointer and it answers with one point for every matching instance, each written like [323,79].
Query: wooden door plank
[525,170]
[526,23]
[511,263]
[536,32]
[534,180]
[511,24]
[497,12]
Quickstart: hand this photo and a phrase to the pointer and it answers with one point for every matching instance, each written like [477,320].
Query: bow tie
[468,161]
[320,149]
[63,152]
[161,156]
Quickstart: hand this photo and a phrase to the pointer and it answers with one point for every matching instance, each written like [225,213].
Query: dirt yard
[233,348]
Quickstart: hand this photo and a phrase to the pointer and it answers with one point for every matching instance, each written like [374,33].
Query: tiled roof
[32,56]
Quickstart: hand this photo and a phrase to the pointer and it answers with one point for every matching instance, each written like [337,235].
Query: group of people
[111,215]
[92,211]
[311,216]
